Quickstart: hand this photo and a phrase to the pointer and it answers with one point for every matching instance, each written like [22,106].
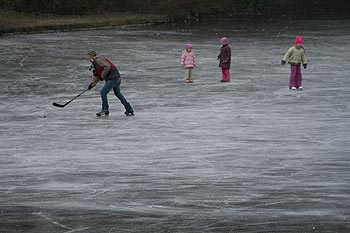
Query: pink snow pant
[225,75]
[295,76]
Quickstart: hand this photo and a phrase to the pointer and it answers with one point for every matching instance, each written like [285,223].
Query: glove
[93,69]
[91,86]
[304,66]
[283,62]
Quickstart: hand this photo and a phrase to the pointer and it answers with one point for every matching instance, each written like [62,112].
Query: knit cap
[224,41]
[188,46]
[298,40]
[92,53]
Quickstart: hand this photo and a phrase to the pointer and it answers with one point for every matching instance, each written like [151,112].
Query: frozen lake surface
[245,156]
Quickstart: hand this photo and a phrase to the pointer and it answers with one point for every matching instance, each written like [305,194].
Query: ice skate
[129,113]
[103,113]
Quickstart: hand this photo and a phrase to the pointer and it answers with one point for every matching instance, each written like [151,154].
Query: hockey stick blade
[58,105]
[62,105]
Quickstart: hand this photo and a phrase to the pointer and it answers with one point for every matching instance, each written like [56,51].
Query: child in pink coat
[188,62]
[295,56]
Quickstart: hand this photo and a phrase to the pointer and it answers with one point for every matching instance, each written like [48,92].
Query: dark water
[246,156]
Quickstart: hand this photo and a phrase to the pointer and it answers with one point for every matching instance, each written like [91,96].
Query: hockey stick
[63,105]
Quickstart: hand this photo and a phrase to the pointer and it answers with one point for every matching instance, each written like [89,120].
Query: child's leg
[187,74]
[225,75]
[190,74]
[298,77]
[293,70]
[228,75]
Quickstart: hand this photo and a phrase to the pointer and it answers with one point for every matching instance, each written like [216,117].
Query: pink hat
[188,46]
[224,41]
[298,40]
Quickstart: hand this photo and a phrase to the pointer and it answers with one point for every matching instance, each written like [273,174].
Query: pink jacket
[188,60]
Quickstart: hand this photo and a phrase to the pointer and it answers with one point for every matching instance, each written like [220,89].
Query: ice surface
[246,156]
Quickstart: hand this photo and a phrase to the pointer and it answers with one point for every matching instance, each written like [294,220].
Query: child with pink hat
[295,56]
[225,59]
[188,62]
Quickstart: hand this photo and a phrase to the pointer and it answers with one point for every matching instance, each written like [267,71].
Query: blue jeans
[115,85]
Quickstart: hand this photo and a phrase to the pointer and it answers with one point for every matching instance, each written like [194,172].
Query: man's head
[91,55]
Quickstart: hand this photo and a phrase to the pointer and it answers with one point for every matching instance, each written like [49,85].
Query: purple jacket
[225,57]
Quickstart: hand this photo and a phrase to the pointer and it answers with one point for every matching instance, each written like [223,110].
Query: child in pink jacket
[188,61]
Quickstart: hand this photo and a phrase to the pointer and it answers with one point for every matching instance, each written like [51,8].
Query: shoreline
[12,23]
